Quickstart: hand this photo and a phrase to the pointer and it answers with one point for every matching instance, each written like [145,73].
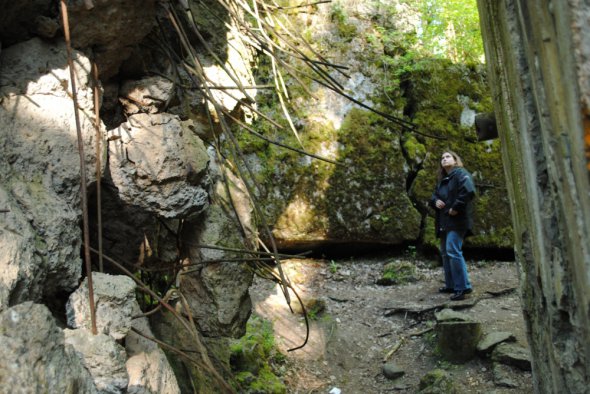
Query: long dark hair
[441,171]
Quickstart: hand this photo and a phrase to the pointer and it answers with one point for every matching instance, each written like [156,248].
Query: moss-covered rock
[367,194]
[254,358]
[377,193]
[438,92]
[437,381]
[398,272]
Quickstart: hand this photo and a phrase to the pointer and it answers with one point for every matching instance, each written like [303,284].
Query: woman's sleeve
[432,201]
[465,193]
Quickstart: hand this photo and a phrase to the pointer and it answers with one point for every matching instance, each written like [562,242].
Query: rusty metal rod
[66,25]
[98,163]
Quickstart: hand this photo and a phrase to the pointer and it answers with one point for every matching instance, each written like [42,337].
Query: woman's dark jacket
[457,192]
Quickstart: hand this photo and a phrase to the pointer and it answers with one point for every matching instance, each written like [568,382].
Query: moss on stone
[253,357]
[379,192]
[433,91]
[398,272]
[367,194]
[437,381]
[339,16]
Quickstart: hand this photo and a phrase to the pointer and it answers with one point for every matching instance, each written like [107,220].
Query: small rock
[392,371]
[449,315]
[335,390]
[502,378]
[492,339]
[102,356]
[514,355]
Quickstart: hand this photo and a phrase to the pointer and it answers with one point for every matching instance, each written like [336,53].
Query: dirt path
[351,338]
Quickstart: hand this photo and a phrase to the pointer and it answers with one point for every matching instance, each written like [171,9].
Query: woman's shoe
[446,290]
[458,296]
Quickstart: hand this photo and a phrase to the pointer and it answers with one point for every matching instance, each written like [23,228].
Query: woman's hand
[452,212]
[440,204]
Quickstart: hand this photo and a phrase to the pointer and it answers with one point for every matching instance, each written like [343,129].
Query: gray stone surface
[148,368]
[392,371]
[40,170]
[511,354]
[218,308]
[449,315]
[110,28]
[492,339]
[114,300]
[159,165]
[502,377]
[33,355]
[148,95]
[103,358]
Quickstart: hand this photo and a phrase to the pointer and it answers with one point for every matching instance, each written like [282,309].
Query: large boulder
[158,164]
[386,169]
[33,355]
[219,309]
[40,170]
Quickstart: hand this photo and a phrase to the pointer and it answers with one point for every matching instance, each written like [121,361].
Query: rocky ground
[365,326]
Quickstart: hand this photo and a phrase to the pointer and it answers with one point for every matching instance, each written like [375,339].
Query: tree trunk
[538,54]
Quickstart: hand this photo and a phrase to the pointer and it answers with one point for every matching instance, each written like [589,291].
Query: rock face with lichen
[40,170]
[159,195]
[384,169]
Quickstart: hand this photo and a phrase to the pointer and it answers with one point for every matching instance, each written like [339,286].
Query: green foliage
[315,308]
[437,381]
[450,28]
[334,267]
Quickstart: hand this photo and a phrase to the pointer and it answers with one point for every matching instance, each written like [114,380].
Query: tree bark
[538,53]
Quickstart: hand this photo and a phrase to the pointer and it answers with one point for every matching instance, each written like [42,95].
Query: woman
[452,201]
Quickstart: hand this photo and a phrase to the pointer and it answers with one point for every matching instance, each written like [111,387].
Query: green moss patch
[398,272]
[255,359]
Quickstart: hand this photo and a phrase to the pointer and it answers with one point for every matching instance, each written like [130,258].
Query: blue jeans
[456,276]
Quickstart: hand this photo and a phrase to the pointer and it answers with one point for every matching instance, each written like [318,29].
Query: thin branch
[256,252]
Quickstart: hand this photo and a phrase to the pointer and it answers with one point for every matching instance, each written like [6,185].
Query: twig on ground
[394,349]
